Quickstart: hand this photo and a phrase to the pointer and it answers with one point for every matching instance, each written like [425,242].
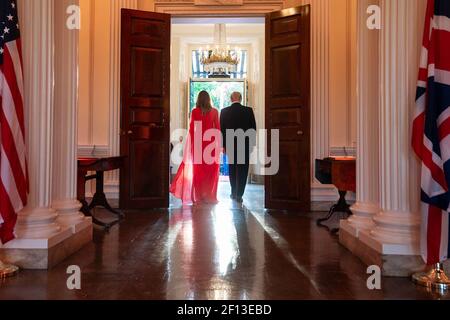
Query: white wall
[93,117]
[342,75]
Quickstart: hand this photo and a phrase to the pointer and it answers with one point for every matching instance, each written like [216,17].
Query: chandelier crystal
[221,60]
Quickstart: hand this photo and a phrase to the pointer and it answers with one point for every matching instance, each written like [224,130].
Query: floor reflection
[226,251]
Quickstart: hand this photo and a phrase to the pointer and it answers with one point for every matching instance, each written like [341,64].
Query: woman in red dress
[198,176]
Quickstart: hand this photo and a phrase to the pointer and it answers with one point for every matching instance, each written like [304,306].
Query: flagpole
[435,279]
[7,270]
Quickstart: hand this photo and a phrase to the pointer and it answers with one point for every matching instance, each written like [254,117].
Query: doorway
[154,104]
[192,38]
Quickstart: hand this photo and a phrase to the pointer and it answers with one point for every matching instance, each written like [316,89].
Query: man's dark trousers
[238,177]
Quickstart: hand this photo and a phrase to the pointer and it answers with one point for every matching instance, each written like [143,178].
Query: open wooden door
[145,105]
[288,107]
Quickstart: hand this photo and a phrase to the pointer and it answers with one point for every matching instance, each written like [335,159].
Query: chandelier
[219,61]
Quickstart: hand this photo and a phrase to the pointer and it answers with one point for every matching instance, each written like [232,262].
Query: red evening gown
[197,181]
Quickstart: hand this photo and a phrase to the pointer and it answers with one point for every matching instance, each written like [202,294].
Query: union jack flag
[431,132]
[13,165]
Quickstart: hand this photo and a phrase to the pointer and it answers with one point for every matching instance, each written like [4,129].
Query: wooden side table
[341,172]
[100,166]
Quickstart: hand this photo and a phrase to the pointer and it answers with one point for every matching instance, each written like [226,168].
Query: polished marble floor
[225,251]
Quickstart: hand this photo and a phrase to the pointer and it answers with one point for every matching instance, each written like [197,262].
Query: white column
[320,92]
[38,220]
[114,83]
[396,228]
[320,63]
[65,124]
[367,175]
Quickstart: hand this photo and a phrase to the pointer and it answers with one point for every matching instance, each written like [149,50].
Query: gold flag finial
[7,270]
[435,279]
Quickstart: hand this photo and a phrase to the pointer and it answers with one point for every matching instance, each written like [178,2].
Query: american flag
[431,132]
[13,164]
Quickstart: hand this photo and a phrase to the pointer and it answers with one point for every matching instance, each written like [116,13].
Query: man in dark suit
[238,127]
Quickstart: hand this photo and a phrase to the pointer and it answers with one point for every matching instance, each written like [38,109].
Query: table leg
[81,192]
[99,199]
[340,206]
[328,217]
[85,208]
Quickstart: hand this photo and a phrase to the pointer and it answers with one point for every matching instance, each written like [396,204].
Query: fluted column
[114,83]
[320,79]
[38,220]
[396,228]
[65,124]
[367,175]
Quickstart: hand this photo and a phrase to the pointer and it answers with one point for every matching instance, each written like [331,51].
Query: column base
[37,223]
[362,218]
[69,214]
[43,254]
[395,260]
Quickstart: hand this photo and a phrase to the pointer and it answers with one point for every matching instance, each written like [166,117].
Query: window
[199,73]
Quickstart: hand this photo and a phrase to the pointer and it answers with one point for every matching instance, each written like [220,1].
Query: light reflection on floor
[224,251]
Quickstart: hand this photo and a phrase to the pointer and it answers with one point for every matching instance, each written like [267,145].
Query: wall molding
[189,8]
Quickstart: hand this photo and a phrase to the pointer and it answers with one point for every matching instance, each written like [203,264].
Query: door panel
[288,106]
[283,60]
[145,105]
[146,186]
[148,83]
